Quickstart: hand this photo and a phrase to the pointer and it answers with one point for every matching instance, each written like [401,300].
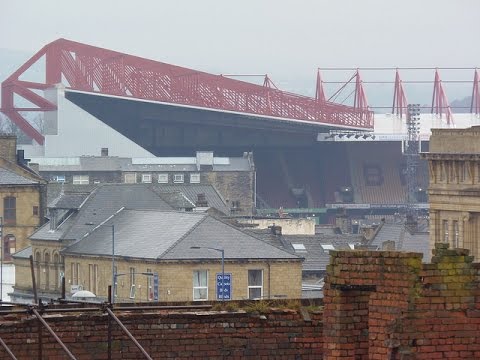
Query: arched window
[56,265]
[46,256]
[38,261]
[9,246]
[10,210]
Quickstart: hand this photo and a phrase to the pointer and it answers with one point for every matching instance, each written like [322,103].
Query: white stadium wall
[71,131]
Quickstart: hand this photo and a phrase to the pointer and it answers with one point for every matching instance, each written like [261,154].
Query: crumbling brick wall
[388,305]
[203,335]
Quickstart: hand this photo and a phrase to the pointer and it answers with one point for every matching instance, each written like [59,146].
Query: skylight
[299,247]
[327,247]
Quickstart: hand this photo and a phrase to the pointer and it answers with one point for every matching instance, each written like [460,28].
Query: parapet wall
[382,305]
[388,305]
[280,334]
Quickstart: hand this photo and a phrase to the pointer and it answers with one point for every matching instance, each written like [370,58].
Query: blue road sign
[226,292]
[155,286]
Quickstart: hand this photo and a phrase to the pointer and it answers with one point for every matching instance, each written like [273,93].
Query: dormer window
[178,178]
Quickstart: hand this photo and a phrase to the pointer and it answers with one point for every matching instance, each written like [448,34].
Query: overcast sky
[288,39]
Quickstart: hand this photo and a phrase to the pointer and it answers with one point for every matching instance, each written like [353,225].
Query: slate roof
[69,201]
[54,190]
[101,204]
[24,253]
[191,191]
[404,240]
[8,177]
[316,258]
[113,163]
[168,235]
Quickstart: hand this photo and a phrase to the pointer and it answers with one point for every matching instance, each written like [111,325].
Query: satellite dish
[84,294]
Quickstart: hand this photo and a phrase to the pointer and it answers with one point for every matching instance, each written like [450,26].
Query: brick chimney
[201,200]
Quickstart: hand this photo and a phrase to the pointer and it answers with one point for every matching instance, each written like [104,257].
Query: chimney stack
[201,201]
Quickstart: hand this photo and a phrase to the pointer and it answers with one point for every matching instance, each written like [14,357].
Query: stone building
[164,263]
[233,177]
[22,198]
[152,230]
[454,190]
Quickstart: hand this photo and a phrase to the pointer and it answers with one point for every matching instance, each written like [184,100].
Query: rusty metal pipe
[50,330]
[7,349]
[137,344]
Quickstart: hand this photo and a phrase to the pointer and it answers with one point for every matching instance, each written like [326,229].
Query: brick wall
[388,305]
[279,334]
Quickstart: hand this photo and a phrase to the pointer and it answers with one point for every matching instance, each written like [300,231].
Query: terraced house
[22,198]
[162,250]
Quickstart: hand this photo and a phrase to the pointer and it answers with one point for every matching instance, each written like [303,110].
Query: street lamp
[1,259]
[114,276]
[222,251]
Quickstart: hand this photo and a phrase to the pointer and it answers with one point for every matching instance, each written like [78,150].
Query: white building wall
[71,131]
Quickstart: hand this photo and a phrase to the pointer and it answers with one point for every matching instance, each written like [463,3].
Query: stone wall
[8,147]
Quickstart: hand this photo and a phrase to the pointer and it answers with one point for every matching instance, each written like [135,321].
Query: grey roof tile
[168,235]
[8,177]
[417,242]
[23,254]
[69,201]
[191,191]
[101,204]
[316,258]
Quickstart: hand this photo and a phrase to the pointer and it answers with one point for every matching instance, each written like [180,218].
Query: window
[92,277]
[200,285]
[9,246]
[195,178]
[35,211]
[10,210]
[445,231]
[456,234]
[132,283]
[147,178]
[130,178]
[443,171]
[59,178]
[149,285]
[178,178]
[81,180]
[462,172]
[75,273]
[163,178]
[255,284]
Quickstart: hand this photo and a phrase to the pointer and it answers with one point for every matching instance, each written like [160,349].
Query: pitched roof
[54,190]
[191,191]
[101,204]
[169,235]
[69,201]
[404,240]
[316,256]
[8,177]
[24,253]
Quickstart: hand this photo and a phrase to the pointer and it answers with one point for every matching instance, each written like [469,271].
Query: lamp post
[113,264]
[1,259]
[114,276]
[222,251]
